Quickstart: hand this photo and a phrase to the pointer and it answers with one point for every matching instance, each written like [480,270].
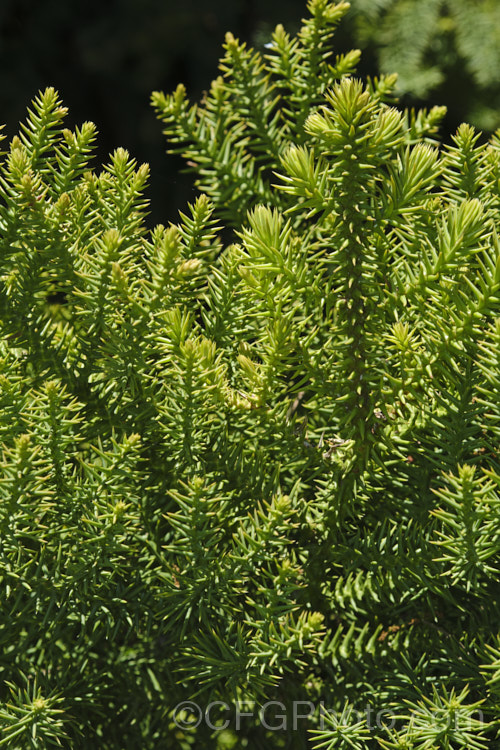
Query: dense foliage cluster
[252,457]
[106,58]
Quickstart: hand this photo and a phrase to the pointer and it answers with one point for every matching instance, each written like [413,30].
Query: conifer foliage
[253,456]
[450,48]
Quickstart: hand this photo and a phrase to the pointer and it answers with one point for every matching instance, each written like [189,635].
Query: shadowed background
[106,57]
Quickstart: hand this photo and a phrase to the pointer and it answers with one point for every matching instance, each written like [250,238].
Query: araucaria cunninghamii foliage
[253,456]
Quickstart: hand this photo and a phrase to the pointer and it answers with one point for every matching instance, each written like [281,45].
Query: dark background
[105,57]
